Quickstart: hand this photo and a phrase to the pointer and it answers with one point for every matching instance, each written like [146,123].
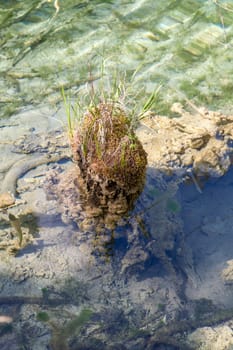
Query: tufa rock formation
[199,142]
[109,170]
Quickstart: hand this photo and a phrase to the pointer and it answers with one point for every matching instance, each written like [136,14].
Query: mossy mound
[111,160]
[108,174]
[105,144]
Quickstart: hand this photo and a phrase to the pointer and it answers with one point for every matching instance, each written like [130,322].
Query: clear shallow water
[184,45]
[121,301]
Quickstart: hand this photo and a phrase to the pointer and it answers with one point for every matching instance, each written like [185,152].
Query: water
[185,46]
[147,289]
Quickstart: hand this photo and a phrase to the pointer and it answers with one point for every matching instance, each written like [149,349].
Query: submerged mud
[164,273]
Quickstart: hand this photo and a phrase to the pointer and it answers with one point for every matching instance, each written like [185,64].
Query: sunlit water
[186,46]
[121,298]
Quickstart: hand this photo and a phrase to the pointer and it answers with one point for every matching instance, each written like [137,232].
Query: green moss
[109,146]
[42,316]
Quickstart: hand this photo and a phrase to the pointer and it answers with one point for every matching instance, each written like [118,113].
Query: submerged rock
[6,200]
[227,273]
[199,141]
[212,338]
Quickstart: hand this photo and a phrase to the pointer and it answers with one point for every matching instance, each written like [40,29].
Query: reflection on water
[142,288]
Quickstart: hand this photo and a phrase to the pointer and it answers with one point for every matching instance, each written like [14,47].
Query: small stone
[200,141]
[6,199]
[217,338]
[6,319]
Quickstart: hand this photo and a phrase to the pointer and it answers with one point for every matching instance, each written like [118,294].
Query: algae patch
[61,334]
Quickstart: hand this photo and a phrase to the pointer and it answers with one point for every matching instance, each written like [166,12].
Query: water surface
[185,46]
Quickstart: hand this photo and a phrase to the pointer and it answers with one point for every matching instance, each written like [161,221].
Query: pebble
[6,199]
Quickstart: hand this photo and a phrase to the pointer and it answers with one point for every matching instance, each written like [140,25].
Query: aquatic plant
[105,145]
[117,90]
[61,334]
[150,102]
[110,160]
[76,323]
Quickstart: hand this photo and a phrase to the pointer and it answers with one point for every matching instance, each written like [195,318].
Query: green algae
[79,321]
[42,316]
[173,206]
[60,335]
